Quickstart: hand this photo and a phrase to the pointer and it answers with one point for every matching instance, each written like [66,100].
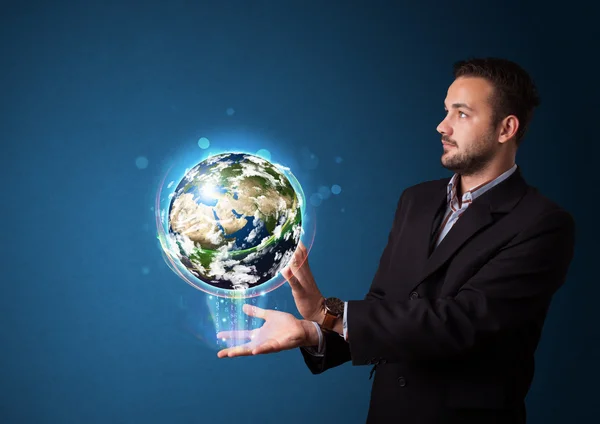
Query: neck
[491,172]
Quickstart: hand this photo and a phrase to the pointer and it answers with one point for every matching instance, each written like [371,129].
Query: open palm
[281,331]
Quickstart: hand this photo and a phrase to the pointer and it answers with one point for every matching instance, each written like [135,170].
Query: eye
[459,113]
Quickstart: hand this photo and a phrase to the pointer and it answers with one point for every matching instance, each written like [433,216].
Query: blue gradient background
[95,328]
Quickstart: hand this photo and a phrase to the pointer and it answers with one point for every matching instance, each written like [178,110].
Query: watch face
[334,306]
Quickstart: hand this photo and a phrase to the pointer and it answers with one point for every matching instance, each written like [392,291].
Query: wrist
[319,316]
[338,326]
[311,333]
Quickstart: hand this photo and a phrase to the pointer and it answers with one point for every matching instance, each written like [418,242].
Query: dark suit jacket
[452,330]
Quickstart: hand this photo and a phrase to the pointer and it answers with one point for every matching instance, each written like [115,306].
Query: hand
[308,297]
[281,331]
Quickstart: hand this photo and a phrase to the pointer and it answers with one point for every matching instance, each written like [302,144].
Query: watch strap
[329,321]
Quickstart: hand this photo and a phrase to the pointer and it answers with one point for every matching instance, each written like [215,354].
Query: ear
[508,128]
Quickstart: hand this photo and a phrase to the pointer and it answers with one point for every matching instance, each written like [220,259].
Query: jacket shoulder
[540,205]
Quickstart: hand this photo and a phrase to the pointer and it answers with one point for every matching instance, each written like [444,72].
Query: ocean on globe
[234,221]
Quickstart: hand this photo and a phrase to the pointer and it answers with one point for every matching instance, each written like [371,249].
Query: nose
[444,129]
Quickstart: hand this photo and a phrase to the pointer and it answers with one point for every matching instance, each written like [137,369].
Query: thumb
[289,276]
[286,272]
[254,311]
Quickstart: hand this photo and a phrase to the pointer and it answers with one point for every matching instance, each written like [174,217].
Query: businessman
[456,308]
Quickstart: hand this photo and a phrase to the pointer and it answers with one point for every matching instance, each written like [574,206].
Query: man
[456,308]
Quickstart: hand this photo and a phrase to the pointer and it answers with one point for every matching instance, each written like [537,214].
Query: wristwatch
[334,309]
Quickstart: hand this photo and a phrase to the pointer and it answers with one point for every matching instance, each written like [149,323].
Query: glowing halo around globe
[230,223]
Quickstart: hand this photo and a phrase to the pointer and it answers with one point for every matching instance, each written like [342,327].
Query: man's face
[468,137]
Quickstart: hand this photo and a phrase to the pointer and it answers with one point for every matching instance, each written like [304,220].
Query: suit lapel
[431,207]
[474,219]
[479,215]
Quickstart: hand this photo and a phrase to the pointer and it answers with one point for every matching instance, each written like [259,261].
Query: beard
[470,160]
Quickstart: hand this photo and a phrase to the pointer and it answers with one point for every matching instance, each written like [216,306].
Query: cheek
[469,135]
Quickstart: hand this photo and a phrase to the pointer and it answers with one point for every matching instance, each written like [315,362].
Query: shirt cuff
[321,347]
[345,322]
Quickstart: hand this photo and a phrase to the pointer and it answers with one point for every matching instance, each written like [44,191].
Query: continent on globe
[235,220]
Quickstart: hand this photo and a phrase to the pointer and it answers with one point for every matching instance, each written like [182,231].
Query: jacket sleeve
[337,350]
[512,289]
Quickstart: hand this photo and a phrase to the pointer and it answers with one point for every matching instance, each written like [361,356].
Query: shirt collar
[471,194]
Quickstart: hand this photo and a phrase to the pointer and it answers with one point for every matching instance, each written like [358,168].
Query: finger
[286,272]
[296,262]
[291,264]
[231,352]
[291,269]
[300,258]
[299,279]
[292,280]
[235,334]
[300,254]
[254,311]
[303,248]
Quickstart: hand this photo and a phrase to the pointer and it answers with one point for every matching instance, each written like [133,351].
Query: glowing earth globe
[235,220]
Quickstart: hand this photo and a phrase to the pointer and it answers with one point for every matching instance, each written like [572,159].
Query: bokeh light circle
[141,162]
[325,192]
[203,143]
[316,199]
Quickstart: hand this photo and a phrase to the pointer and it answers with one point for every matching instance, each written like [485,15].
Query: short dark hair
[514,90]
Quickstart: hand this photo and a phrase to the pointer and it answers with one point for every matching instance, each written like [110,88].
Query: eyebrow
[459,105]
